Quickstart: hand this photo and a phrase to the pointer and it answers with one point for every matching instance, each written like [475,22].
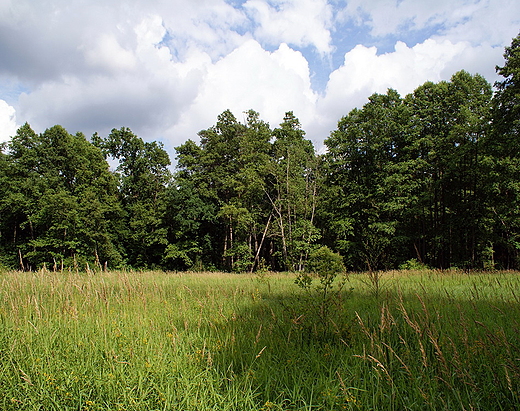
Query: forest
[431,178]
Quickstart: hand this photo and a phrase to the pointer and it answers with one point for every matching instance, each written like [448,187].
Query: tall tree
[143,176]
[406,177]
[503,149]
[366,189]
[259,197]
[60,202]
[226,172]
[293,192]
[449,121]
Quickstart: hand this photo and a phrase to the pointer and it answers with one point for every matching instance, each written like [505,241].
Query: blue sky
[167,68]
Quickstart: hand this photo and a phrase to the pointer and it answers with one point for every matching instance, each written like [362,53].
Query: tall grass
[206,341]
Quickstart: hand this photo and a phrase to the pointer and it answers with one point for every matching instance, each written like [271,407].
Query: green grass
[167,341]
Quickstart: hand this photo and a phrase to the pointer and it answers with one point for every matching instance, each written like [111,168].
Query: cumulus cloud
[297,22]
[389,16]
[489,21]
[252,78]
[211,26]
[167,68]
[108,54]
[8,125]
[142,88]
[133,63]
[364,72]
[43,40]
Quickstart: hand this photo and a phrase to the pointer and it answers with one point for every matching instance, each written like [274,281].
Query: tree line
[431,177]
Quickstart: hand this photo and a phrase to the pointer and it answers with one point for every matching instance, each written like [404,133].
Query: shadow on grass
[401,350]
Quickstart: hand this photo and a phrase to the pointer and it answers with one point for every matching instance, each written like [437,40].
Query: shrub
[413,264]
[324,265]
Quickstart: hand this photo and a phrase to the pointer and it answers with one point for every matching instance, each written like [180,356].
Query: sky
[167,68]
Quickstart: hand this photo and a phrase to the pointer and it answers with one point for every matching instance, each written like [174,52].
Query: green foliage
[503,163]
[242,257]
[254,199]
[450,122]
[180,254]
[293,181]
[361,167]
[322,300]
[506,99]
[413,265]
[431,176]
[143,176]
[405,178]
[60,205]
[225,174]
[325,264]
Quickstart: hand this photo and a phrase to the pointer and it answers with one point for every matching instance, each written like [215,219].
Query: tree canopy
[431,176]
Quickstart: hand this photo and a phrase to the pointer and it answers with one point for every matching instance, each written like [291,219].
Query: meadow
[124,340]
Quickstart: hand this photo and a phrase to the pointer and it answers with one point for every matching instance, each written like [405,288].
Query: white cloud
[476,21]
[8,125]
[207,25]
[493,22]
[167,68]
[390,16]
[97,66]
[141,88]
[364,72]
[252,78]
[297,22]
[108,54]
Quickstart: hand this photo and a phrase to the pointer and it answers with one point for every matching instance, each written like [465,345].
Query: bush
[325,265]
[413,264]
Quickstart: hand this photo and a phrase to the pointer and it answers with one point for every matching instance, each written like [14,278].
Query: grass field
[204,341]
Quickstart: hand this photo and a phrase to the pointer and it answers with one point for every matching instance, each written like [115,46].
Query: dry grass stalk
[258,334]
[387,320]
[440,356]
[380,366]
[408,371]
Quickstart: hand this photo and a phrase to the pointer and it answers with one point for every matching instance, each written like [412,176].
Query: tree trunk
[257,259]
